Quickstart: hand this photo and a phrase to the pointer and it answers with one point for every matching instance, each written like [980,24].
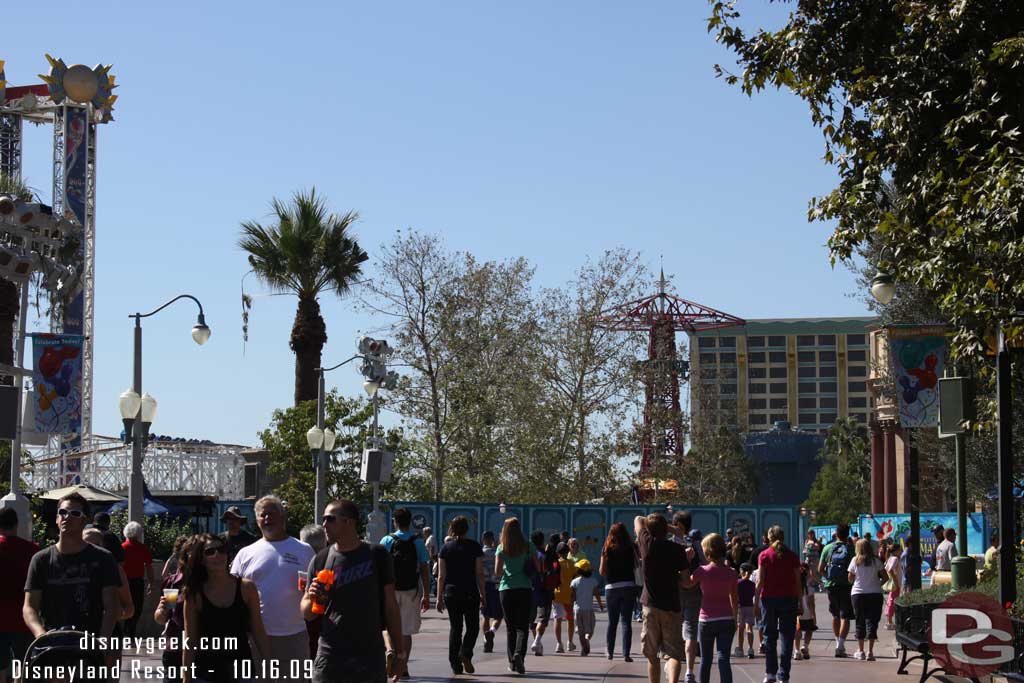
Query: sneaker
[840,653]
[488,641]
[517,664]
[750,653]
[539,650]
[559,649]
[627,659]
[572,646]
[690,678]
[805,652]
[760,650]
[585,648]
[611,655]
[871,657]
[738,652]
[797,656]
[859,656]
[768,679]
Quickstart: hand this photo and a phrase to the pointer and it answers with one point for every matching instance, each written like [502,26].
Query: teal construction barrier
[590,523]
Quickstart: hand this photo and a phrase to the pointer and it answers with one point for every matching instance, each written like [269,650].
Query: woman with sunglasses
[219,606]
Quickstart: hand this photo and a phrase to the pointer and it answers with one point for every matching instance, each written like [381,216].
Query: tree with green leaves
[291,460]
[927,97]
[842,489]
[305,251]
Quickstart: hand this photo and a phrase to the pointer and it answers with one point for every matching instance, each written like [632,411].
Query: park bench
[912,638]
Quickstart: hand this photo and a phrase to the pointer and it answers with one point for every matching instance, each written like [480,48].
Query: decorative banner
[76,131]
[918,353]
[56,379]
[897,527]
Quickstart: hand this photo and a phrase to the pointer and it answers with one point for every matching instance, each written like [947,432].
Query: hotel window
[855,356]
[728,342]
[707,359]
[758,404]
[857,387]
[807,372]
[729,373]
[858,402]
[778,388]
[805,356]
[708,373]
[777,373]
[757,357]
[828,418]
[756,419]
[861,417]
[803,403]
[827,356]
[826,340]
[808,420]
[778,404]
[758,388]
[858,371]
[776,341]
[827,387]
[856,339]
[706,342]
[727,358]
[727,388]
[757,373]
[780,418]
[807,388]
[755,341]
[827,402]
[777,357]
[827,371]
[805,340]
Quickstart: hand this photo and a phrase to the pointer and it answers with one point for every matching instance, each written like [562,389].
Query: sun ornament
[83,85]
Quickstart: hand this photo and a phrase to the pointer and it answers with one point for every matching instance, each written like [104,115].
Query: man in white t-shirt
[946,551]
[273,563]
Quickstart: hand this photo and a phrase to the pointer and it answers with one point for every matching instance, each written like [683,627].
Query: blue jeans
[718,635]
[779,615]
[620,606]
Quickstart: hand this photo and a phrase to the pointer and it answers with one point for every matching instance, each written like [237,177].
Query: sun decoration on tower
[81,84]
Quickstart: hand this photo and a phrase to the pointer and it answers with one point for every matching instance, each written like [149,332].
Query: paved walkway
[430,661]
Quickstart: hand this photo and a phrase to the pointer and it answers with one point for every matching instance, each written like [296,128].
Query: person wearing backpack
[833,569]
[544,583]
[412,577]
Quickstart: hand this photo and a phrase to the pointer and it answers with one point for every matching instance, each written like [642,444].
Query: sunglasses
[65,512]
[210,552]
[331,519]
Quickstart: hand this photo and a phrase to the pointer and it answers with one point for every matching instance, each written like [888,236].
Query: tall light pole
[321,441]
[138,410]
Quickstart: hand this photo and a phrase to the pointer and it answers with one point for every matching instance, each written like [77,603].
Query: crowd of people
[331,606]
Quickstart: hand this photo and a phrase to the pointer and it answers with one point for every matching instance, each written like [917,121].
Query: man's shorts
[561,610]
[747,615]
[840,604]
[691,621]
[492,607]
[543,615]
[409,607]
[662,632]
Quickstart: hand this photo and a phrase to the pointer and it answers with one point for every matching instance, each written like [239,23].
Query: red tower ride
[662,315]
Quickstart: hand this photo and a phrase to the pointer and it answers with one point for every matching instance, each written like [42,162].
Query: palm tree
[10,302]
[307,251]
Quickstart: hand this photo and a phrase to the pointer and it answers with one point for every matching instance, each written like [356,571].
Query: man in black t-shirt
[101,521]
[72,583]
[664,568]
[235,538]
[359,603]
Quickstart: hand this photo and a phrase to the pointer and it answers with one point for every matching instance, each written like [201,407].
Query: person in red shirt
[15,555]
[138,566]
[779,589]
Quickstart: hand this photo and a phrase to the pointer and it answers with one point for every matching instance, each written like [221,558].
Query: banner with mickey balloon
[918,353]
[56,378]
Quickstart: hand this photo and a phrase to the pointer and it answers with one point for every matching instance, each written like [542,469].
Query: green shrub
[989,587]
[161,532]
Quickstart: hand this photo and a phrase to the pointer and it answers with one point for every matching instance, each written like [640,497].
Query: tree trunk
[9,304]
[309,334]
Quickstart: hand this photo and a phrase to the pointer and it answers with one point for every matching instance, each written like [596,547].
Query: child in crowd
[807,623]
[745,590]
[758,621]
[584,588]
[561,608]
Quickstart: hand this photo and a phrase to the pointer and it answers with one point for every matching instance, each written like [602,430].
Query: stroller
[53,656]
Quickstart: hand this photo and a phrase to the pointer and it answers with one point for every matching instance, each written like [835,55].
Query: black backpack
[407,563]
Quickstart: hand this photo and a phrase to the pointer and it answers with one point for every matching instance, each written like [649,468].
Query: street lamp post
[1004,437]
[321,441]
[138,410]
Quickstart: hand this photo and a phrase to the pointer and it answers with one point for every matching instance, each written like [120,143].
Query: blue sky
[547,130]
